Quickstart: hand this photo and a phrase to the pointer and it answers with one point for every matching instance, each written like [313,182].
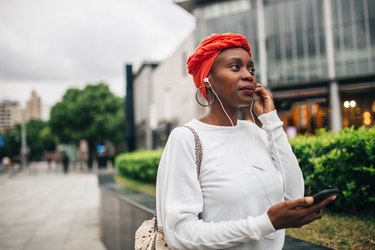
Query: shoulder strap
[198,150]
[198,163]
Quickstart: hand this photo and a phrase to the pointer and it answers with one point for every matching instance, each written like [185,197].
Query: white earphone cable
[221,104]
[251,110]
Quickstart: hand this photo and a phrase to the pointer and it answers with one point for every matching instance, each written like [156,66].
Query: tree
[94,114]
[34,140]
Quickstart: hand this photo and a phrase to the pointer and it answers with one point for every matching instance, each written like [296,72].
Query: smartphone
[324,194]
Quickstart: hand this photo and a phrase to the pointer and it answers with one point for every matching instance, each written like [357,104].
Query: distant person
[5,162]
[65,161]
[291,130]
[250,186]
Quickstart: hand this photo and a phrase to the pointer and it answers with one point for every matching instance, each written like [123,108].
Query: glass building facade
[318,55]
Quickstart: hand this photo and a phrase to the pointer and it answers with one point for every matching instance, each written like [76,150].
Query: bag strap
[198,150]
[198,163]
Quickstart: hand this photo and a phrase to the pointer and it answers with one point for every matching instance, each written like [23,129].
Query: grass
[143,187]
[339,231]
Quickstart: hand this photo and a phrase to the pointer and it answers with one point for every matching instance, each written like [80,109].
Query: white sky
[51,45]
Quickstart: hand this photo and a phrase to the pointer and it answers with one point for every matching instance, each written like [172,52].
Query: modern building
[34,107]
[316,56]
[10,114]
[164,97]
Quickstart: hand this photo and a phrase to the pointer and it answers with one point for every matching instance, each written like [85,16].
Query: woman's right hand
[296,213]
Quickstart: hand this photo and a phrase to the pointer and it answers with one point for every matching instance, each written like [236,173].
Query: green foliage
[34,142]
[345,160]
[12,139]
[38,139]
[139,165]
[48,139]
[94,114]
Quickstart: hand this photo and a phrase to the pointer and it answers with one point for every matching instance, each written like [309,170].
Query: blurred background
[85,83]
[317,57]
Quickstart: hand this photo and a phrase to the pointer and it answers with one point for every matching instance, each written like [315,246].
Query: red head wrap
[200,62]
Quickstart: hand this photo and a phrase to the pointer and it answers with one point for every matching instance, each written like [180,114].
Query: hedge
[345,160]
[140,165]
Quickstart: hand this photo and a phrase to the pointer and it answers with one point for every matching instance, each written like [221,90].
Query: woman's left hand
[265,103]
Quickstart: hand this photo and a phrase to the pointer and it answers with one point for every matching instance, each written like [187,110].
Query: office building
[317,56]
[10,114]
[34,107]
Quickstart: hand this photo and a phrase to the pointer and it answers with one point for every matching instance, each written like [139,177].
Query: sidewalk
[42,209]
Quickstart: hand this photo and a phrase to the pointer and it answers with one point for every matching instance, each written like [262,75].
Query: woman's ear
[207,83]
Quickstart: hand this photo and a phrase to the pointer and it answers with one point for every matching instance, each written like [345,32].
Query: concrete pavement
[42,208]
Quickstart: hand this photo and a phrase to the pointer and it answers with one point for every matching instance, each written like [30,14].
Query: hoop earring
[203,105]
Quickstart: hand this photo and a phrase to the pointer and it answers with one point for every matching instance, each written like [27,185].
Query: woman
[250,186]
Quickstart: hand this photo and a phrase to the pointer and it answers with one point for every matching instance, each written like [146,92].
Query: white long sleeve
[283,156]
[238,183]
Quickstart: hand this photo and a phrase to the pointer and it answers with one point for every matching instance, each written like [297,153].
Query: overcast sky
[50,45]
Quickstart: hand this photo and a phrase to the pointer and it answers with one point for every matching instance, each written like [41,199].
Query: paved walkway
[42,209]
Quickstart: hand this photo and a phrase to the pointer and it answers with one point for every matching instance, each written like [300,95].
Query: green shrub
[140,165]
[345,160]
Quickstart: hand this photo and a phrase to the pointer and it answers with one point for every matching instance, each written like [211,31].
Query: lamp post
[23,142]
[129,110]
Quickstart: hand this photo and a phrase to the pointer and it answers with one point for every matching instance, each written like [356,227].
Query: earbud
[207,81]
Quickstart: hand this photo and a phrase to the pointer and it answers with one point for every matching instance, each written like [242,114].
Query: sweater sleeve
[179,201]
[283,156]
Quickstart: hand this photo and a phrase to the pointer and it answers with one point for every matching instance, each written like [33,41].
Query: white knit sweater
[244,172]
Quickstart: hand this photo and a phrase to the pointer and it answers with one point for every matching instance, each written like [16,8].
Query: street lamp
[23,142]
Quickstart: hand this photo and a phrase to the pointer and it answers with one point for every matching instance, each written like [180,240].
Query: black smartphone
[324,194]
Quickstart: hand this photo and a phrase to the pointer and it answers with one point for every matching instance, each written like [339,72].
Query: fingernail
[309,200]
[333,198]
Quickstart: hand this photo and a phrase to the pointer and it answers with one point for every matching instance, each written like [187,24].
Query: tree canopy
[94,114]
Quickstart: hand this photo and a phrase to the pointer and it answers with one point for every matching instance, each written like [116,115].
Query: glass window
[372,31]
[345,4]
[312,49]
[335,13]
[363,67]
[348,39]
[350,68]
[288,46]
[359,10]
[298,16]
[299,40]
[322,43]
[277,49]
[371,8]
[309,15]
[269,20]
[361,34]
[320,5]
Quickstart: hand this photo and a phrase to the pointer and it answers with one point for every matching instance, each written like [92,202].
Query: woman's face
[232,77]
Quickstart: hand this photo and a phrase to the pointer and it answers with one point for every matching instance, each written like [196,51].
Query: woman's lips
[247,90]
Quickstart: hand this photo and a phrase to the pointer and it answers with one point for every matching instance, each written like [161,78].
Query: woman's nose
[248,76]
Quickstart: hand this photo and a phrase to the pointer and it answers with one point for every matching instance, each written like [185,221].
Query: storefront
[306,110]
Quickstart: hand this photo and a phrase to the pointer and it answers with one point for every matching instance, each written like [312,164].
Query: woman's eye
[235,67]
[252,71]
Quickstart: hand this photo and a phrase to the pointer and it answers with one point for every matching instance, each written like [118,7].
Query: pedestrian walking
[249,187]
[65,161]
